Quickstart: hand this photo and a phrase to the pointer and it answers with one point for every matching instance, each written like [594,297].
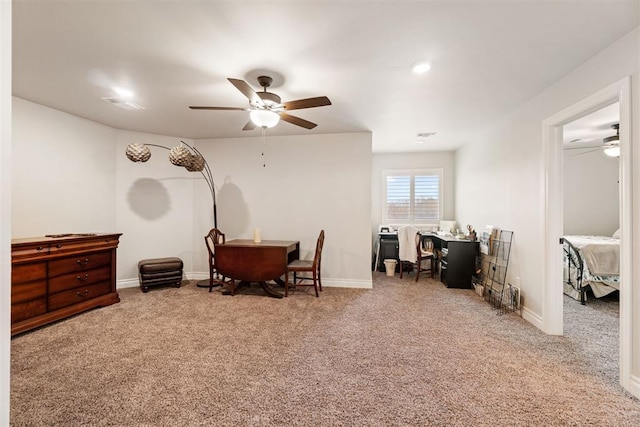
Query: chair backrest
[423,244]
[213,238]
[419,243]
[407,243]
[318,256]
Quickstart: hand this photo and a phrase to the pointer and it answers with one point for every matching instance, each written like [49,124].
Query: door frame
[619,91]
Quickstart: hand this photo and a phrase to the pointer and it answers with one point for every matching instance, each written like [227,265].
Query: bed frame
[577,276]
[573,261]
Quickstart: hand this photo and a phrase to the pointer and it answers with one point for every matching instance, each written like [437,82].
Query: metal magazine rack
[495,247]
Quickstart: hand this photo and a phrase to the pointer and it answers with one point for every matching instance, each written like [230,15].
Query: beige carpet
[404,353]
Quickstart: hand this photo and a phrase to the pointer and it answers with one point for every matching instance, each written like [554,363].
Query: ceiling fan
[266,109]
[610,144]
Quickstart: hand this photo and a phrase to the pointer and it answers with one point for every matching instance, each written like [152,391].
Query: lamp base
[204,283]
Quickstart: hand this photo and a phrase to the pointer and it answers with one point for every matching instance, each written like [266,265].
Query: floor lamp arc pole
[141,153]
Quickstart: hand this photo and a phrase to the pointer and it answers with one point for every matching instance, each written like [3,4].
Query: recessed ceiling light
[421,67]
[126,93]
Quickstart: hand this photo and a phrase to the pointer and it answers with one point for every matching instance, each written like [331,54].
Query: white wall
[154,205]
[5,208]
[634,304]
[72,175]
[500,175]
[590,193]
[63,173]
[308,183]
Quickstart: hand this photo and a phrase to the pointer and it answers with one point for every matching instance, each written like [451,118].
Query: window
[412,196]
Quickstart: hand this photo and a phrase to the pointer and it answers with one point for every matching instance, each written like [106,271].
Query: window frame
[413,172]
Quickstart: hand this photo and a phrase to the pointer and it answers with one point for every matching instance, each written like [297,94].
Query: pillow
[616,235]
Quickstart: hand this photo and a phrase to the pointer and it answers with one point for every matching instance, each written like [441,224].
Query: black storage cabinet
[389,249]
[458,263]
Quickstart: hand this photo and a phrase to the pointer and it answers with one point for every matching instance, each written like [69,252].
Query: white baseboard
[532,318]
[195,275]
[127,283]
[633,386]
[347,283]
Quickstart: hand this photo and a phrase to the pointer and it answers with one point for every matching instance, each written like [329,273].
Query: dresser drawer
[82,246]
[78,295]
[79,263]
[28,309]
[75,280]
[28,291]
[21,273]
[29,251]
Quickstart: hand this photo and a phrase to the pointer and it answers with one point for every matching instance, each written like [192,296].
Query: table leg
[264,285]
[269,291]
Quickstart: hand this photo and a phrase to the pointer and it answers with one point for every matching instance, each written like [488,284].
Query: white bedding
[601,253]
[601,257]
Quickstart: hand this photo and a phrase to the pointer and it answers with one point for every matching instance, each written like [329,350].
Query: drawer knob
[83,293]
[83,279]
[58,246]
[83,261]
[40,248]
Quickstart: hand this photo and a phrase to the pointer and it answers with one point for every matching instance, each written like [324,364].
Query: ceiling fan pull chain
[263,147]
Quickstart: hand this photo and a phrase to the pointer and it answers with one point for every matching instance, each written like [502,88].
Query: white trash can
[390,266]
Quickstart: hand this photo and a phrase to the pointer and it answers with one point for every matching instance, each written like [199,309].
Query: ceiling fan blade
[249,126]
[297,121]
[587,152]
[299,104]
[247,91]
[195,107]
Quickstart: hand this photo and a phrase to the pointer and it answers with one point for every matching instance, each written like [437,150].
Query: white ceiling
[488,58]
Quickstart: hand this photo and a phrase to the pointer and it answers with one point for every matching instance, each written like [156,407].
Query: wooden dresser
[55,277]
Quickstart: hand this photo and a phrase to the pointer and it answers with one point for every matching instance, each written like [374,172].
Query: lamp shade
[196,163]
[264,118]
[138,152]
[180,156]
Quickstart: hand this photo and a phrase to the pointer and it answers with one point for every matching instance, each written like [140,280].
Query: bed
[591,262]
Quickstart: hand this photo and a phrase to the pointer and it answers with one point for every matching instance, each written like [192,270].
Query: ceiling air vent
[122,103]
[422,136]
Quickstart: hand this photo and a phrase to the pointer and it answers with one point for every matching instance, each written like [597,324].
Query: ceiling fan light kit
[614,142]
[613,151]
[266,108]
[264,118]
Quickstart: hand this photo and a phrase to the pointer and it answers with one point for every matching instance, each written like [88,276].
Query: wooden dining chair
[426,251]
[214,237]
[306,266]
[423,252]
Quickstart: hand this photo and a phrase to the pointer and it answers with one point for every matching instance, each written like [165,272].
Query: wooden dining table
[249,261]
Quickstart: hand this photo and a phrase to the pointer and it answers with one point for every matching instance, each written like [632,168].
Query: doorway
[591,220]
[552,147]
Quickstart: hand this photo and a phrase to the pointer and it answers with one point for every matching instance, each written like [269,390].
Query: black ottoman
[160,271]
